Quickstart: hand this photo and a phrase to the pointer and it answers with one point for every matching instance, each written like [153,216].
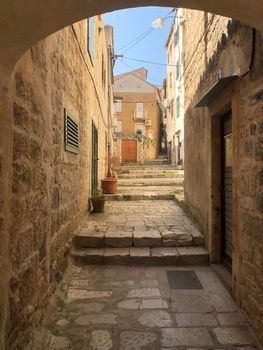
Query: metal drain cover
[183,280]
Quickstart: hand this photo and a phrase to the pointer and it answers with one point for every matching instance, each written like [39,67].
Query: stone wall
[222,48]
[50,186]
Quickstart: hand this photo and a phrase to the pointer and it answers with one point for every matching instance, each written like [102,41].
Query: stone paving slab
[124,307]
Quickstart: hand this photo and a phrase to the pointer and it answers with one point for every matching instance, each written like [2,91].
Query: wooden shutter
[71,133]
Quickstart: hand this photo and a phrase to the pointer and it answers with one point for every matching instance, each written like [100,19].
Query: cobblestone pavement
[133,308]
[140,216]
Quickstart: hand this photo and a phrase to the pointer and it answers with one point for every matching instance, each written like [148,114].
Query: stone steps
[145,175]
[114,238]
[150,182]
[139,197]
[143,170]
[183,256]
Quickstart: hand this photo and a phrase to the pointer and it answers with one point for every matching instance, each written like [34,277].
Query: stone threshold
[139,197]
[90,238]
[182,256]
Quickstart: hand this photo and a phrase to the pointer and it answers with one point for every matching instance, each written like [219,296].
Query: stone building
[174,91]
[138,113]
[223,143]
[62,101]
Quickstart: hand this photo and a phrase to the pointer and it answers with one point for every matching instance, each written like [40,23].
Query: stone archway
[24,23]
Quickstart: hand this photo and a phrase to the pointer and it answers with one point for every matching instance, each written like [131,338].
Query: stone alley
[104,307]
[133,308]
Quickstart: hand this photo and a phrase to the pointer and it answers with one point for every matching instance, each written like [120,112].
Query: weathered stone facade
[131,89]
[217,47]
[50,186]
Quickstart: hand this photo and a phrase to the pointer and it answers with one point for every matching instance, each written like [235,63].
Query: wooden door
[129,150]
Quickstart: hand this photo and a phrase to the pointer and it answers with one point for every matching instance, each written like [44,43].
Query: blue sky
[131,23]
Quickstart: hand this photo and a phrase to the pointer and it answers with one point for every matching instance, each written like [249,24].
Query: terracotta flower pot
[98,204]
[109,185]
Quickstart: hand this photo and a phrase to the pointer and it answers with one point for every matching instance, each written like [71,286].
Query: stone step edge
[152,184]
[145,256]
[138,197]
[150,176]
[99,240]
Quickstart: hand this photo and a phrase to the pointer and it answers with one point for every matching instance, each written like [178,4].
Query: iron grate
[183,280]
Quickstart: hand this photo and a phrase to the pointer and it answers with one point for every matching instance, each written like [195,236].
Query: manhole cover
[183,280]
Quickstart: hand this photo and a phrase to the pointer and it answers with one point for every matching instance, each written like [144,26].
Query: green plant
[113,166]
[98,193]
[180,162]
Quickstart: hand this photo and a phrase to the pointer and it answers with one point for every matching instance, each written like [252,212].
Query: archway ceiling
[24,22]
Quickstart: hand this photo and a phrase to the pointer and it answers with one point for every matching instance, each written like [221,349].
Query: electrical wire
[135,41]
[150,62]
[131,42]
[148,77]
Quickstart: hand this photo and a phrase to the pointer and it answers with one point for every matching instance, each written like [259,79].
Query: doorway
[129,151]
[227,195]
[94,167]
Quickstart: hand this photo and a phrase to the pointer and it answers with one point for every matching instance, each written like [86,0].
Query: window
[119,126]
[139,129]
[71,133]
[178,107]
[171,79]
[90,38]
[176,36]
[178,70]
[139,110]
[118,105]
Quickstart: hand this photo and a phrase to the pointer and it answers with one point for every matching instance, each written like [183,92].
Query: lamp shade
[158,23]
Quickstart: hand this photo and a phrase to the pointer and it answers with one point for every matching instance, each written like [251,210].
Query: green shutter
[71,133]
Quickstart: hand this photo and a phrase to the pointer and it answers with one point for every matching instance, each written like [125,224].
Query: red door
[129,150]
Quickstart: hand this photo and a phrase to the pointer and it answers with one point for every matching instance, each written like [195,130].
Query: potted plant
[109,184]
[180,164]
[98,201]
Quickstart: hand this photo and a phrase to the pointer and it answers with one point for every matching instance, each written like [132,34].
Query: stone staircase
[148,182]
[148,236]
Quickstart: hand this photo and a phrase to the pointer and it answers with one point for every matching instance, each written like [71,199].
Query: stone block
[140,255]
[129,304]
[165,255]
[137,340]
[118,239]
[87,238]
[82,294]
[153,304]
[97,319]
[196,320]
[230,319]
[176,239]
[101,340]
[193,255]
[172,337]
[147,238]
[158,319]
[116,256]
[191,303]
[88,256]
[233,336]
[144,293]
